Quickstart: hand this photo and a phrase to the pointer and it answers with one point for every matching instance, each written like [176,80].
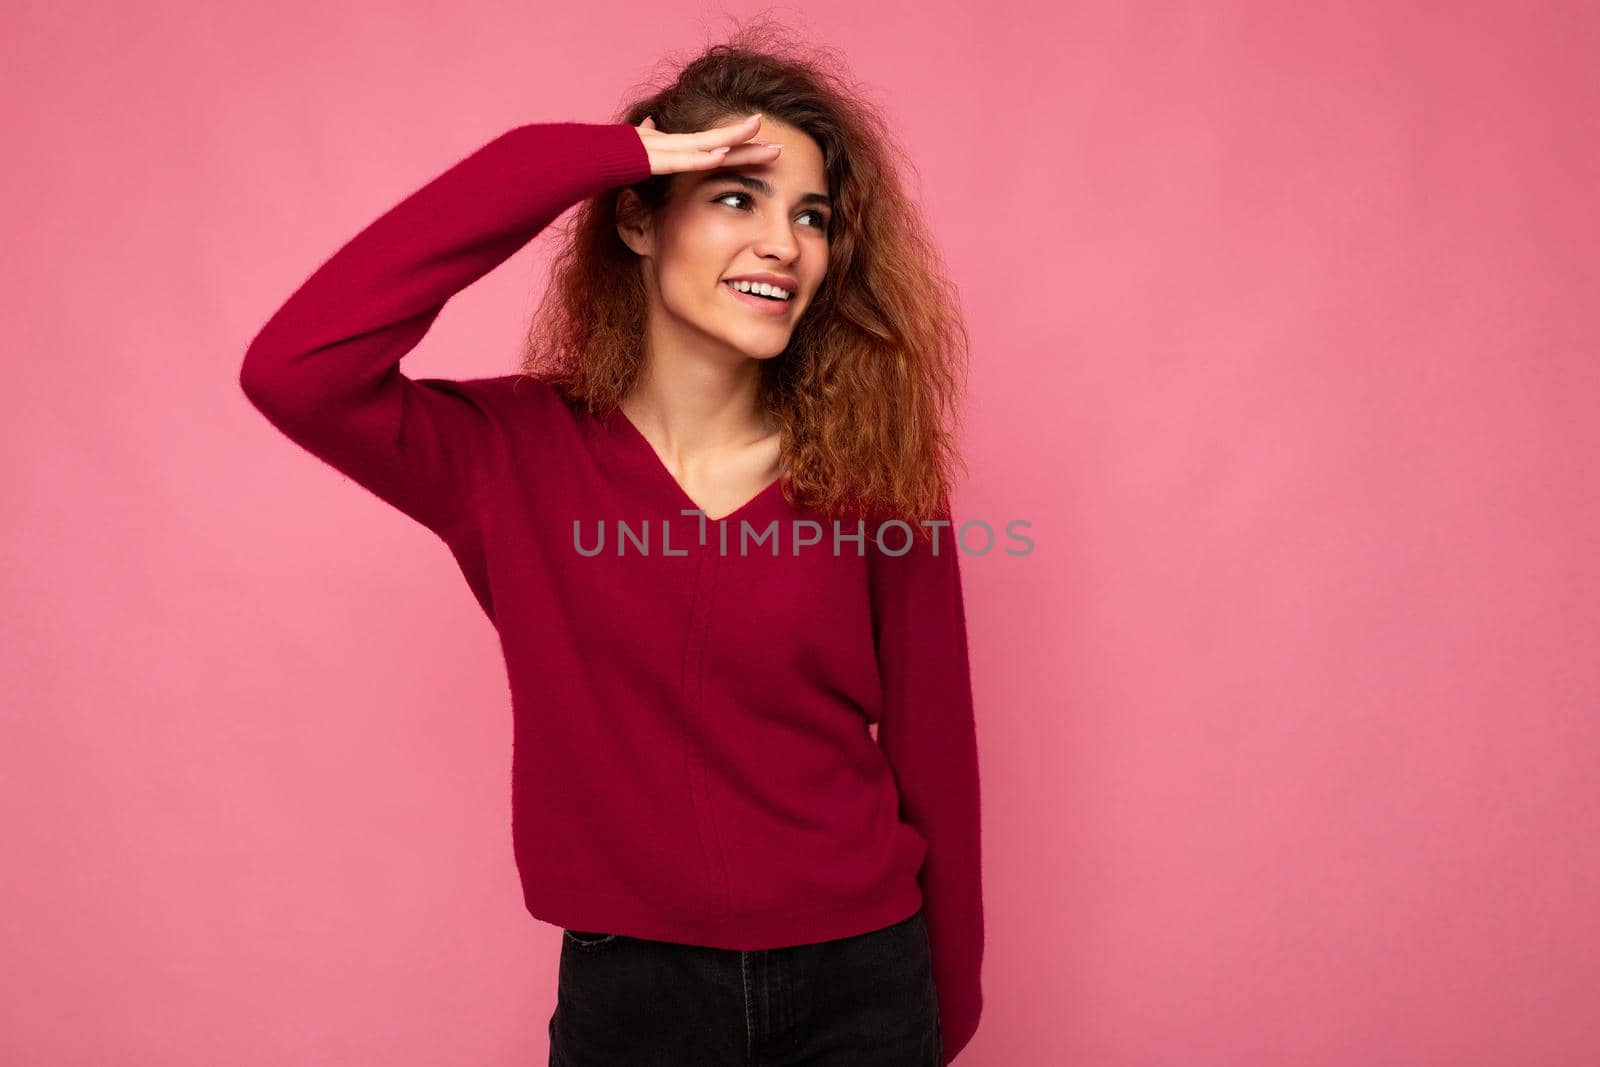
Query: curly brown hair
[866,394]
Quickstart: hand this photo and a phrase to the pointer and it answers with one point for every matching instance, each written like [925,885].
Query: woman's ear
[633,223]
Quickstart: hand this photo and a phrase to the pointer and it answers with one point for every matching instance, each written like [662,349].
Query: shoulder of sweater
[503,399]
[500,389]
[527,402]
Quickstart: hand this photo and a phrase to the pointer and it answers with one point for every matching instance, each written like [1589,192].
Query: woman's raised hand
[720,146]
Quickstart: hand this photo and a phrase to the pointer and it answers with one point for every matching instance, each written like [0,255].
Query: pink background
[1284,342]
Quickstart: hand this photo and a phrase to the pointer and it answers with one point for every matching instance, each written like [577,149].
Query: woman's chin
[761,347]
[767,351]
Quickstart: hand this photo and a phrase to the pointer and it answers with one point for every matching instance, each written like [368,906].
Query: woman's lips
[760,303]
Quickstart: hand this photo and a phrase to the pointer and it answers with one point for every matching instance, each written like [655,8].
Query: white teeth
[762,289]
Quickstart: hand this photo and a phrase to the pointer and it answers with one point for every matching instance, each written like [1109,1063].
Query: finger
[729,134]
[743,150]
[709,160]
[754,152]
[726,156]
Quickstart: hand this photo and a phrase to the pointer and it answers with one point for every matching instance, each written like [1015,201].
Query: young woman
[709,520]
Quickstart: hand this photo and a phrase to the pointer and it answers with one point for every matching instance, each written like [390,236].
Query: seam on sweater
[493,470]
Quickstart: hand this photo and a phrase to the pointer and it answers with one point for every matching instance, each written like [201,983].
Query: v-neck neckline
[671,480]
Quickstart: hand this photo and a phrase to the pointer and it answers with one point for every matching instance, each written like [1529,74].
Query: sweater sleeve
[929,736]
[325,367]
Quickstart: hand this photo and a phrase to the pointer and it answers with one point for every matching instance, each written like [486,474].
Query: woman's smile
[764,304]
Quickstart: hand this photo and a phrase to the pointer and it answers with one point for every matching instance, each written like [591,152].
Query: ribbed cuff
[619,153]
[602,155]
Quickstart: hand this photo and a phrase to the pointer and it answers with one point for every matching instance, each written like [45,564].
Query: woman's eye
[821,222]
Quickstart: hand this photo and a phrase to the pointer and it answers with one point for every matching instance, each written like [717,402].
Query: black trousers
[632,1002]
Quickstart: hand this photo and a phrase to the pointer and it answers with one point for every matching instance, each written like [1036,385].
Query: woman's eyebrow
[750,182]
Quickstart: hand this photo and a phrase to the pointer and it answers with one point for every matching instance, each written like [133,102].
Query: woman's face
[754,219]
